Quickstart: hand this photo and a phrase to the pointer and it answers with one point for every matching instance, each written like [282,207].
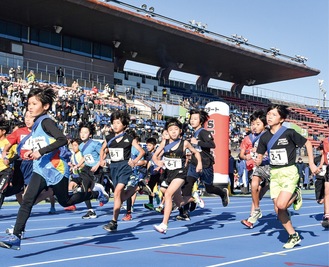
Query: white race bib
[116,154]
[323,170]
[28,145]
[172,163]
[89,159]
[278,157]
[39,142]
[253,155]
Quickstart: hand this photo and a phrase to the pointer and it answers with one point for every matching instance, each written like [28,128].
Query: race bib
[253,155]
[89,159]
[28,145]
[278,157]
[172,163]
[323,170]
[39,142]
[116,154]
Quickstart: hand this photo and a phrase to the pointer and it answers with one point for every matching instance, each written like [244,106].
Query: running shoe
[10,231]
[111,226]
[70,208]
[226,197]
[127,217]
[293,240]
[103,197]
[183,217]
[198,199]
[133,181]
[10,242]
[90,215]
[52,210]
[149,206]
[161,228]
[247,224]
[299,200]
[144,188]
[255,215]
[325,221]
[159,209]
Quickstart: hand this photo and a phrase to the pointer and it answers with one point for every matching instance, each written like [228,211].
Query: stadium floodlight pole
[323,91]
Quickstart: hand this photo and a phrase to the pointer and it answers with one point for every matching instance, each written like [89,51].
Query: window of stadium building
[46,39]
[13,31]
[9,60]
[77,46]
[103,52]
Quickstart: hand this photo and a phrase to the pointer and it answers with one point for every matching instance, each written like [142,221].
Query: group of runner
[48,167]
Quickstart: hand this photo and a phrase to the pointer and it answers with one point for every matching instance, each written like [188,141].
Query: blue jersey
[50,166]
[90,152]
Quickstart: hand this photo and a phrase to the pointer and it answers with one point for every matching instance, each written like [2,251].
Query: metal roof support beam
[237,88]
[202,82]
[163,74]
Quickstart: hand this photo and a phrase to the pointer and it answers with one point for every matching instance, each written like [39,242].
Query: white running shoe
[10,231]
[161,228]
[103,197]
[198,199]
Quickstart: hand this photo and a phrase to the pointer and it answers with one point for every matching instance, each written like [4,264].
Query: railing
[47,73]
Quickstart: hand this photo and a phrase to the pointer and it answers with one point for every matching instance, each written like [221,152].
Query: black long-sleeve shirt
[50,127]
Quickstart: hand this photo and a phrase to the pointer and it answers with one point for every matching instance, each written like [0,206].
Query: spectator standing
[164,94]
[30,77]
[301,167]
[160,112]
[153,112]
[60,75]
[19,74]
[231,169]
[12,74]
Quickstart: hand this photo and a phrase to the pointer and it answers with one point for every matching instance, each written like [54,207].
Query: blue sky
[296,27]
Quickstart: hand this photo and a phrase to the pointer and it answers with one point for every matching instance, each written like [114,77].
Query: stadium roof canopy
[157,41]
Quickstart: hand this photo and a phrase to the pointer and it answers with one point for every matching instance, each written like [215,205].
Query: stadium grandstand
[84,61]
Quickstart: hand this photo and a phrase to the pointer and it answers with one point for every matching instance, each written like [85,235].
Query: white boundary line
[268,255]
[161,246]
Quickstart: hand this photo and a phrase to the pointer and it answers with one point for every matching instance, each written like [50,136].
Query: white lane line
[268,255]
[157,247]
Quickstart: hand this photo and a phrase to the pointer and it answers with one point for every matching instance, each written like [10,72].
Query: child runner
[203,142]
[261,174]
[175,171]
[75,180]
[119,145]
[247,162]
[153,170]
[6,172]
[16,185]
[23,167]
[281,144]
[90,172]
[325,183]
[49,167]
[139,172]
[162,189]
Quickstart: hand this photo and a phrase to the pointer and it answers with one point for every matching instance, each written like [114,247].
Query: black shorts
[319,188]
[170,175]
[5,177]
